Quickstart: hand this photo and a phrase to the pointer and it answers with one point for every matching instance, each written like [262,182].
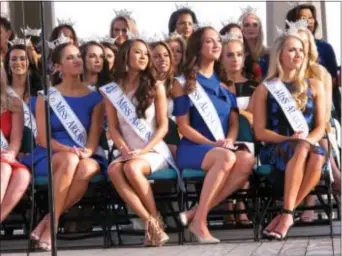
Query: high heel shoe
[203,240]
[44,245]
[183,219]
[280,236]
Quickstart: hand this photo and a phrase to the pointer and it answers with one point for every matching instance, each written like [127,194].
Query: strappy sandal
[44,245]
[280,236]
[266,233]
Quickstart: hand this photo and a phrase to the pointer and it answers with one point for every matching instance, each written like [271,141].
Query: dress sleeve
[97,98]
[182,105]
[330,58]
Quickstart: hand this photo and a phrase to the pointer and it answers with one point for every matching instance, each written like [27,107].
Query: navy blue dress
[278,154]
[327,57]
[190,154]
[83,108]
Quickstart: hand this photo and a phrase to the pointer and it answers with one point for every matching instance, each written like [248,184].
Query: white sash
[69,119]
[206,109]
[128,110]
[288,105]
[29,120]
[4,142]
[242,102]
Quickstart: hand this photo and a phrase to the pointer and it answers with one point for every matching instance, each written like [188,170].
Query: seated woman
[291,120]
[207,117]
[163,64]
[136,107]
[76,118]
[15,177]
[232,65]
[316,70]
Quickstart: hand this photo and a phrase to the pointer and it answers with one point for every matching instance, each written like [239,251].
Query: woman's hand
[125,153]
[298,135]
[226,143]
[8,155]
[84,153]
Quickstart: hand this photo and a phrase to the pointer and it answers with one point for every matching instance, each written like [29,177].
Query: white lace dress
[133,141]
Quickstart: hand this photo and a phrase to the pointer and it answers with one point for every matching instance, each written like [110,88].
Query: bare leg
[312,174]
[136,171]
[17,186]
[218,163]
[236,179]
[126,192]
[64,166]
[6,172]
[86,169]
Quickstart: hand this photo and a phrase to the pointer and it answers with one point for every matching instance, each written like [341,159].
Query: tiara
[296,4]
[123,13]
[19,41]
[108,40]
[231,37]
[65,22]
[247,10]
[31,32]
[228,21]
[156,37]
[182,6]
[301,23]
[199,25]
[62,39]
[292,29]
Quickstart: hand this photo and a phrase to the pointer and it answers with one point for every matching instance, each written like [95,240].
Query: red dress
[6,127]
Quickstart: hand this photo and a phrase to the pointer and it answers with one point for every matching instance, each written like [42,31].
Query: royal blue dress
[278,154]
[190,154]
[83,108]
[327,57]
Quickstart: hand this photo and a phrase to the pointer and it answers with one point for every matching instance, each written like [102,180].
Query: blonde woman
[290,135]
[121,26]
[315,70]
[254,38]
[15,177]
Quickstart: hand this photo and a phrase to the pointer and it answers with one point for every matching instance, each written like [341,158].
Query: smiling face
[18,62]
[70,62]
[292,54]
[184,25]
[211,45]
[233,56]
[94,59]
[138,57]
[161,59]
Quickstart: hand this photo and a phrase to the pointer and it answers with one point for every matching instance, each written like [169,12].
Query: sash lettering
[288,105]
[69,119]
[206,109]
[127,109]
[29,120]
[4,142]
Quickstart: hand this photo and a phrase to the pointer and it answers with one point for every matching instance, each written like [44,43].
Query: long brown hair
[170,75]
[7,102]
[193,58]
[146,90]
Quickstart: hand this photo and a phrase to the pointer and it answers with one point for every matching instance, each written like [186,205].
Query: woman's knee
[65,160]
[86,169]
[5,169]
[245,161]
[316,159]
[133,170]
[302,150]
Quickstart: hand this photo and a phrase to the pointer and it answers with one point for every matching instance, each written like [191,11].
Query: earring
[126,68]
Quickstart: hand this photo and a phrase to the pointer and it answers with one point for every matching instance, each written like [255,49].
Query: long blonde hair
[7,101]
[259,50]
[275,70]
[313,67]
[130,24]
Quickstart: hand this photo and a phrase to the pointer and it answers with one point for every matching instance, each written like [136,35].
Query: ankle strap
[287,211]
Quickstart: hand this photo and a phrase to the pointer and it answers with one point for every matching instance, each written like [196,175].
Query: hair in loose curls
[193,58]
[170,75]
[56,57]
[146,90]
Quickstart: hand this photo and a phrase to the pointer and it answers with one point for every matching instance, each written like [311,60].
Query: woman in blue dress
[297,162]
[73,166]
[226,171]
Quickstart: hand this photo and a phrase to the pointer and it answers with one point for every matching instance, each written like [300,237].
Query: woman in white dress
[133,74]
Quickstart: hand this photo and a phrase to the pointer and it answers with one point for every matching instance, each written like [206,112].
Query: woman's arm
[260,114]
[41,138]
[162,119]
[183,121]
[320,121]
[328,84]
[233,130]
[96,129]
[113,126]
[17,129]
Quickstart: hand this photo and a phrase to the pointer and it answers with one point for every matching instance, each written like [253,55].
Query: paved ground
[313,242]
